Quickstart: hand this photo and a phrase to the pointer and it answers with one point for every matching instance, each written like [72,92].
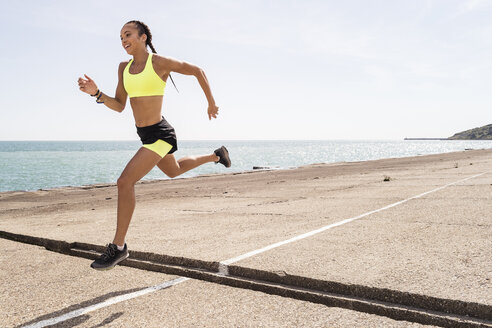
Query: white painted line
[108,302]
[223,269]
[336,224]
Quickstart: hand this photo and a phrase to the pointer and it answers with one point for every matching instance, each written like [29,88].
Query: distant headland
[481,133]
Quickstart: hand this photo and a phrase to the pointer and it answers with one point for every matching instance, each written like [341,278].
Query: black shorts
[162,130]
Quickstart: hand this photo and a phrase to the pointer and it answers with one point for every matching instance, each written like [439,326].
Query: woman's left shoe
[110,257]
[224,156]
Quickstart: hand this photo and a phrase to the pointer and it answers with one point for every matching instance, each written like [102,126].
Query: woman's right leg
[143,161]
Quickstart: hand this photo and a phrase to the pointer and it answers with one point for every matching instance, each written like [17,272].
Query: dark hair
[144,29]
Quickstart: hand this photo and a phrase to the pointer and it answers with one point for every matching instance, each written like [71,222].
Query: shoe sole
[111,267]
[226,153]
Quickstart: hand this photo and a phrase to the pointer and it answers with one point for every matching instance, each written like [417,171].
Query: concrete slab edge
[385,302]
[449,306]
[390,310]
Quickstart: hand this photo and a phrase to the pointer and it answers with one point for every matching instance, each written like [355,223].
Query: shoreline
[148,181]
[42,168]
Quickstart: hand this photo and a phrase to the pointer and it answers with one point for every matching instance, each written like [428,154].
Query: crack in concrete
[452,224]
[379,301]
[278,201]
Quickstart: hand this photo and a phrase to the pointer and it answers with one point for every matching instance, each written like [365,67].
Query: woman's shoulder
[122,66]
[163,62]
[159,58]
[125,62]
[159,61]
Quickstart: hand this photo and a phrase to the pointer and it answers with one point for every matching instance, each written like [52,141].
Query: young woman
[143,79]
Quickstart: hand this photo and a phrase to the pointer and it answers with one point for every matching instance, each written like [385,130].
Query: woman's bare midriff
[147,110]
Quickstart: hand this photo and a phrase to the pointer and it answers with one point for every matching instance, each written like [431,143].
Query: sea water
[32,165]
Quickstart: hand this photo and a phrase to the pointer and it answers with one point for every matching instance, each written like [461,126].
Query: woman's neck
[140,57]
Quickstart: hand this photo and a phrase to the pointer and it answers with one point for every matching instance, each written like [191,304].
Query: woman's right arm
[118,102]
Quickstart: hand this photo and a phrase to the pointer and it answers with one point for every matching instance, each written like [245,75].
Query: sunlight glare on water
[31,165]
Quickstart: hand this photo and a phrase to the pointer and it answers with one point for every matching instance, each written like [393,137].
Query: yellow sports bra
[145,83]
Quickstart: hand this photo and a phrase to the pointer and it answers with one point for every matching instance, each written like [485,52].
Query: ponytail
[144,29]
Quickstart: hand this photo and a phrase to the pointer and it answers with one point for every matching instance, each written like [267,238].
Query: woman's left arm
[172,65]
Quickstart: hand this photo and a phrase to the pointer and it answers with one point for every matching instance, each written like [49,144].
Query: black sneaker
[110,257]
[224,156]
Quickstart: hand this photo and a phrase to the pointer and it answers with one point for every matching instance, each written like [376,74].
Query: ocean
[33,165]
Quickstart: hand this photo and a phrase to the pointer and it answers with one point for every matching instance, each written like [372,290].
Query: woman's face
[130,39]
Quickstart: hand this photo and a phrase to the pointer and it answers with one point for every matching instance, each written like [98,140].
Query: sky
[279,70]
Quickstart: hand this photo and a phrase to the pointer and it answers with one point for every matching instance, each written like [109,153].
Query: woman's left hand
[213,111]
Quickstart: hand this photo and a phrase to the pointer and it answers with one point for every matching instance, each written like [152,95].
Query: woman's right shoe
[224,156]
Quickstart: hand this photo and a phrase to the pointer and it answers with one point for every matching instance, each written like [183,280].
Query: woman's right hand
[87,85]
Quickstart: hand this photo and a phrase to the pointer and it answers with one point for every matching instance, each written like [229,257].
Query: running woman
[143,79]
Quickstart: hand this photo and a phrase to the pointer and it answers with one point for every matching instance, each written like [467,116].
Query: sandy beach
[402,242]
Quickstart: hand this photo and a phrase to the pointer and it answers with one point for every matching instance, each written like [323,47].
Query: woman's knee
[172,174]
[170,169]
[125,182]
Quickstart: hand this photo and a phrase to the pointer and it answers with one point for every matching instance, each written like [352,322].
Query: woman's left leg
[172,167]
[143,161]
